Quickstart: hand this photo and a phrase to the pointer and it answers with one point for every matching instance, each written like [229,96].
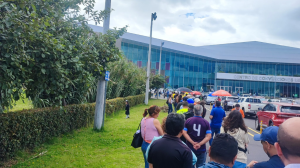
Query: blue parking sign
[107,75]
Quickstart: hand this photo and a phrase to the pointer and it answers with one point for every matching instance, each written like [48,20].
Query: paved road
[256,151]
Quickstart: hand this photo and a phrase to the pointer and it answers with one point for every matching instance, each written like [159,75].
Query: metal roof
[253,51]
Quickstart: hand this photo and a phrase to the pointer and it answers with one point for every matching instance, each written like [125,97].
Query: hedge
[30,128]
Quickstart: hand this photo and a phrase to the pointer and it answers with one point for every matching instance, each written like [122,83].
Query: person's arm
[158,126]
[187,137]
[206,139]
[252,163]
[211,114]
[150,165]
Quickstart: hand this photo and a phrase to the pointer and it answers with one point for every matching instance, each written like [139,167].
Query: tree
[157,81]
[48,48]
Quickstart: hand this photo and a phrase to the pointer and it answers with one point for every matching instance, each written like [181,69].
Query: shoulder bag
[137,138]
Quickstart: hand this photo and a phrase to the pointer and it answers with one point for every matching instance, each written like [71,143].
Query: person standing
[225,105]
[169,151]
[170,110]
[238,108]
[197,132]
[202,103]
[288,146]
[234,125]
[127,109]
[185,108]
[217,116]
[268,138]
[150,128]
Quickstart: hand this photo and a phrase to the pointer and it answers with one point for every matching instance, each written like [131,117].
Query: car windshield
[263,100]
[232,99]
[290,109]
[240,100]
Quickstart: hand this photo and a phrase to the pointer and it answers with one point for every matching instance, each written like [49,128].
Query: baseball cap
[190,100]
[269,134]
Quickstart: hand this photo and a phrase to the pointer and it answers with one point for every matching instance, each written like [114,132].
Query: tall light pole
[101,86]
[153,17]
[162,43]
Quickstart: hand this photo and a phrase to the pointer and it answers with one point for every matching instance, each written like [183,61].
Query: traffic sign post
[107,73]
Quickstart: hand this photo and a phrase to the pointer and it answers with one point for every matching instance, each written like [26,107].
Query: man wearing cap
[268,138]
[237,107]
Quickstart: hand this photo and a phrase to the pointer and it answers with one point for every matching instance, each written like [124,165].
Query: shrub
[30,128]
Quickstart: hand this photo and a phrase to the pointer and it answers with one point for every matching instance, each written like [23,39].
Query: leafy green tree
[48,49]
[126,79]
[157,81]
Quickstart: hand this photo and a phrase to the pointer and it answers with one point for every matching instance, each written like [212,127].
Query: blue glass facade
[196,72]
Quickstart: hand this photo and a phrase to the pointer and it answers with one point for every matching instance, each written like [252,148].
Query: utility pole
[153,17]
[162,43]
[101,86]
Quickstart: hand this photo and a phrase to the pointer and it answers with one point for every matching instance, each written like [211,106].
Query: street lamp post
[162,43]
[153,17]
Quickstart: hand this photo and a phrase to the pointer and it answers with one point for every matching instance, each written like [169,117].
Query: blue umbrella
[212,95]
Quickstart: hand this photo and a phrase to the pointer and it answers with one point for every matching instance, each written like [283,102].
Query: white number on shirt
[197,129]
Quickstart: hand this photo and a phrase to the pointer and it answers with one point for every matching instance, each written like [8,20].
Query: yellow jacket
[184,110]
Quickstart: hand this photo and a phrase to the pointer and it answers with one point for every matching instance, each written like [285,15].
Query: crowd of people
[180,141]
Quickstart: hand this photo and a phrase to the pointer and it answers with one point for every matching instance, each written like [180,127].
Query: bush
[30,128]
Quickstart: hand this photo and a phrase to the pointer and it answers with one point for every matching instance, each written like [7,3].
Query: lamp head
[154,16]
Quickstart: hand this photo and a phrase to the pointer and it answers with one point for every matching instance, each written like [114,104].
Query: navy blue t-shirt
[274,162]
[218,114]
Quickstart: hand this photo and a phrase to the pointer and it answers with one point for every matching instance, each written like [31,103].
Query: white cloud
[205,22]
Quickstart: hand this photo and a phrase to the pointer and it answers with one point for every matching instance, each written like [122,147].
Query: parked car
[250,105]
[275,113]
[231,101]
[210,99]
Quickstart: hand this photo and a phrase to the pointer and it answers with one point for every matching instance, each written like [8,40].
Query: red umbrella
[195,93]
[221,93]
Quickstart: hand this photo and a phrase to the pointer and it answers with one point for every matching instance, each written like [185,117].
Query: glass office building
[249,67]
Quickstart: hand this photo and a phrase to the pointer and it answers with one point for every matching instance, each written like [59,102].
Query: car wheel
[271,123]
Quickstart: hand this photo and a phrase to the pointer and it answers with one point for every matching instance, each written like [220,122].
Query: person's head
[163,125]
[218,104]
[237,106]
[185,104]
[202,102]
[191,106]
[234,121]
[153,111]
[197,101]
[184,98]
[126,102]
[223,149]
[180,97]
[288,145]
[175,124]
[198,110]
[189,96]
[268,138]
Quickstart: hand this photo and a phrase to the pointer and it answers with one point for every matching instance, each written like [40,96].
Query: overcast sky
[205,22]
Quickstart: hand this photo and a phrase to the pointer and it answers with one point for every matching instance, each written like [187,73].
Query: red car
[275,113]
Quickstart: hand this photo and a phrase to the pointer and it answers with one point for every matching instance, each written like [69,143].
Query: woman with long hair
[150,127]
[235,126]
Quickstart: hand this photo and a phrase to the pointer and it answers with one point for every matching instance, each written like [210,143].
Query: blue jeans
[213,131]
[201,158]
[175,105]
[239,165]
[144,149]
[170,108]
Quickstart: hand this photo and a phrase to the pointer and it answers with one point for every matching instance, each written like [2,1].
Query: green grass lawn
[87,148]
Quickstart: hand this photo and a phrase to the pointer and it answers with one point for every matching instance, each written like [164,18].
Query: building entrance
[226,88]
[239,90]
